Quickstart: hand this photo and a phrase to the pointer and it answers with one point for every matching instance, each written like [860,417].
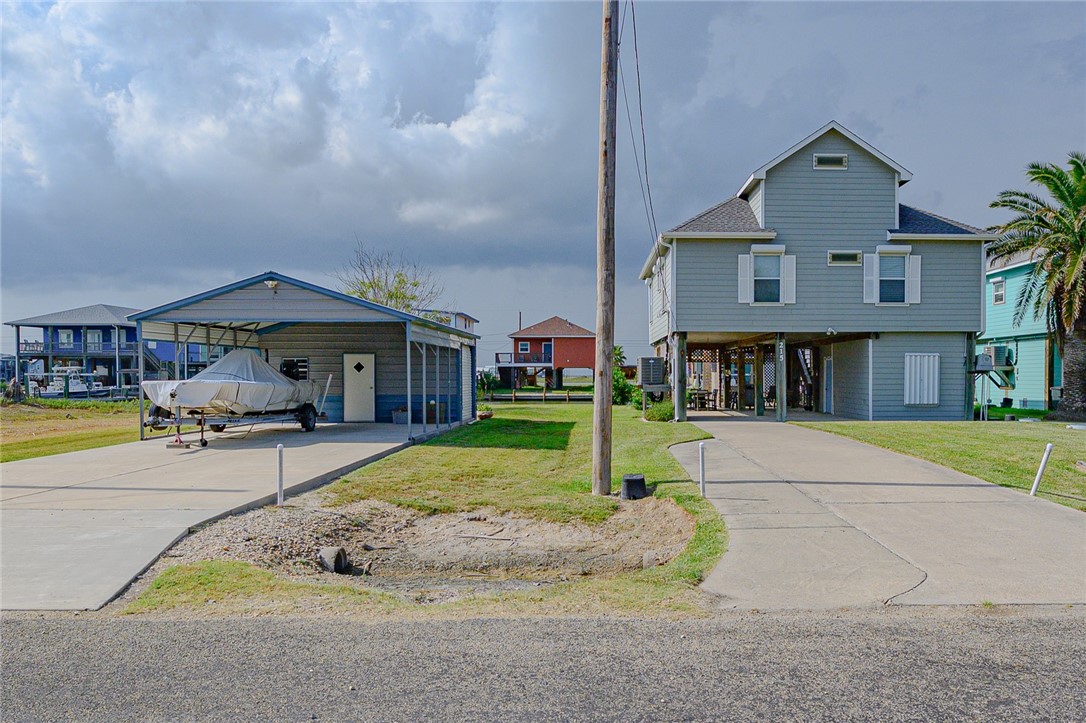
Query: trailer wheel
[203,442]
[307,415]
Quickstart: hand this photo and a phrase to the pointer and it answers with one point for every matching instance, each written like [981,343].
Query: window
[844,258]
[892,276]
[66,338]
[94,340]
[767,276]
[831,161]
[296,368]
[523,347]
[999,291]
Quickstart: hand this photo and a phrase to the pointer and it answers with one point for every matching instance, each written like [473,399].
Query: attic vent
[831,161]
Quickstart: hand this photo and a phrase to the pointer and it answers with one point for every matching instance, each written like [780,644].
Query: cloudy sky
[154,150]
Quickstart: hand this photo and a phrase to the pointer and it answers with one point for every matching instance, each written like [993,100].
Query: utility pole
[605,255]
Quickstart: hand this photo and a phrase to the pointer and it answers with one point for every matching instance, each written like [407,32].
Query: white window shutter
[921,379]
[788,280]
[746,279]
[912,285]
[871,278]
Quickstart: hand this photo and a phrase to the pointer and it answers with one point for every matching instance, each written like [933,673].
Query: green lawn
[529,459]
[1005,453]
[68,442]
[42,427]
[999,413]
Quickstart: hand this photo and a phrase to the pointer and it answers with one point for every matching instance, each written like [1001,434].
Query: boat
[239,384]
[79,384]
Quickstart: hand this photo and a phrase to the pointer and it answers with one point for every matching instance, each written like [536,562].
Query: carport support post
[759,380]
[782,379]
[407,333]
[139,385]
[437,387]
[422,347]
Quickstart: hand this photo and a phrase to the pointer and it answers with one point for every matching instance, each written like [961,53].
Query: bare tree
[390,279]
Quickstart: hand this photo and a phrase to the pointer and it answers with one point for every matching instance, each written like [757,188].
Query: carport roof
[285,314]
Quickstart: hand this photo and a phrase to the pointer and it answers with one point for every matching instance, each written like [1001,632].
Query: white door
[358,394]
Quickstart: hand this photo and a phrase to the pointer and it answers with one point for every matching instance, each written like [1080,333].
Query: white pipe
[327,386]
[279,487]
[701,466]
[1040,470]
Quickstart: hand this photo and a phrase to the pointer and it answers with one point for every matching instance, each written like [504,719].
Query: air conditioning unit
[983,363]
[650,371]
[1001,356]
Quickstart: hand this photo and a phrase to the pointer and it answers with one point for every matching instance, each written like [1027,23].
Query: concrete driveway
[821,521]
[77,528]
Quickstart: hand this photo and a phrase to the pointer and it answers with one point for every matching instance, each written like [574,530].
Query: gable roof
[904,174]
[555,326]
[1018,258]
[93,315]
[732,216]
[163,312]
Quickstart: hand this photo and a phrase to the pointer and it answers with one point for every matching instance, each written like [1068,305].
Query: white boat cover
[239,383]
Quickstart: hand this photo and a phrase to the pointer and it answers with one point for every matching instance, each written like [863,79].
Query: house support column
[782,378]
[117,356]
[758,371]
[725,371]
[678,375]
[422,348]
[18,358]
[86,361]
[49,351]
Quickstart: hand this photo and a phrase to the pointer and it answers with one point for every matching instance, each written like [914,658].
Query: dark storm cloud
[186,144]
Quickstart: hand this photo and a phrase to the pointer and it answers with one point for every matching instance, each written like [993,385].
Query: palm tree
[1054,234]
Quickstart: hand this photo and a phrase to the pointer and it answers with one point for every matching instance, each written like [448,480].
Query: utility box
[650,371]
[984,363]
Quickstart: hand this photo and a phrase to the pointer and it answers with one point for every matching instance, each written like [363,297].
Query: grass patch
[54,426]
[67,442]
[545,473]
[998,414]
[529,459]
[227,583]
[1006,454]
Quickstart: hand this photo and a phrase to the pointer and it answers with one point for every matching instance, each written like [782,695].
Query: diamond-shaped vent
[358,367]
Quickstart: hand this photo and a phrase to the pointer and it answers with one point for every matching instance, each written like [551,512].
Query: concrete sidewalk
[77,528]
[821,521]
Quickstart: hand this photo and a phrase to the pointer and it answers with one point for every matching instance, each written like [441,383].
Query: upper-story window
[66,337]
[523,347]
[999,291]
[892,276]
[844,258]
[767,276]
[831,161]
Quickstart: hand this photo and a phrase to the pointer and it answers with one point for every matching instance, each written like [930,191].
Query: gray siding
[755,201]
[889,380]
[287,303]
[707,281]
[850,379]
[812,212]
[658,311]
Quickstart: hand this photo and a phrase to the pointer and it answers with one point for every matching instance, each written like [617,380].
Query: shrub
[660,412]
[621,389]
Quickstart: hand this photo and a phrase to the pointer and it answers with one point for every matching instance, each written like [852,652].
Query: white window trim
[912,268]
[60,338]
[521,347]
[1001,284]
[859,261]
[767,250]
[816,156]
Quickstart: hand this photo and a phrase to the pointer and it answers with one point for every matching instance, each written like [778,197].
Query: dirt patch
[437,558]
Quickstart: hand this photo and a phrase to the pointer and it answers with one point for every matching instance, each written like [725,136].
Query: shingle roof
[95,315]
[732,216]
[913,220]
[1018,257]
[555,326]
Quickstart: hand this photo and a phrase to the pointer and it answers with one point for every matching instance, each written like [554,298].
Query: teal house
[1026,359]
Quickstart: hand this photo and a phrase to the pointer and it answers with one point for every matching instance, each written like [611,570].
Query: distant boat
[77,381]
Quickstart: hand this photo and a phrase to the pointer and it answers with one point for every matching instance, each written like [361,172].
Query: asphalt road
[894,664]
